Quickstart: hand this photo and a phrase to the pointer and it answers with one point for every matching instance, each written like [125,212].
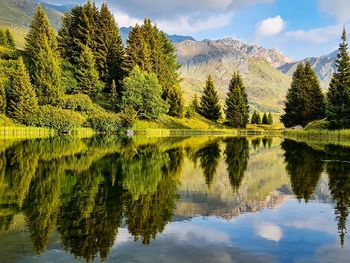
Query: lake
[181,199]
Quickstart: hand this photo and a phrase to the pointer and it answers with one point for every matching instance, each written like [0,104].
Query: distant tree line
[306,102]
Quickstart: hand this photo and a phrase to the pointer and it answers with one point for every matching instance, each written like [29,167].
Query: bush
[58,119]
[317,125]
[76,102]
[128,117]
[102,121]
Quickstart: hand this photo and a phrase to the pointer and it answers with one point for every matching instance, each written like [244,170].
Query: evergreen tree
[270,119]
[43,58]
[338,107]
[110,49]
[258,118]
[114,96]
[3,38]
[253,119]
[10,40]
[2,95]
[195,104]
[176,102]
[22,100]
[137,52]
[315,106]
[79,29]
[87,74]
[237,109]
[210,105]
[264,119]
[296,100]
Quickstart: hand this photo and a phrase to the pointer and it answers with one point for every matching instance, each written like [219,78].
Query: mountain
[124,32]
[324,67]
[266,86]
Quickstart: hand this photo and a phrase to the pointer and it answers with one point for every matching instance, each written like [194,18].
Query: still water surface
[201,199]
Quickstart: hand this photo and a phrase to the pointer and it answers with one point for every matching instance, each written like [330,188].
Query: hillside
[266,86]
[324,67]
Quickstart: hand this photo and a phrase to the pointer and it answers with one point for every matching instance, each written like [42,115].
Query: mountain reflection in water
[94,197]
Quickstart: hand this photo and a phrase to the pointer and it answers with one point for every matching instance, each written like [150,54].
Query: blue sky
[298,28]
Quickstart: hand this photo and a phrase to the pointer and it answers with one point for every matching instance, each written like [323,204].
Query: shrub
[76,102]
[317,125]
[102,121]
[128,117]
[58,119]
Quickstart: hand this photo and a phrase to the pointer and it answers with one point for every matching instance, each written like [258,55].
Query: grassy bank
[318,134]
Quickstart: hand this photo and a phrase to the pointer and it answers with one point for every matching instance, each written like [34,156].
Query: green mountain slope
[17,15]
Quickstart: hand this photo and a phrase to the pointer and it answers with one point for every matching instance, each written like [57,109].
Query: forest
[83,76]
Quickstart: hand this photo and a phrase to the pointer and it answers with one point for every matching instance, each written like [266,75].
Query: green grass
[318,134]
[16,132]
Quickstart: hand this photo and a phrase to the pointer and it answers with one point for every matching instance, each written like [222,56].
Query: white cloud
[338,8]
[317,35]
[268,231]
[269,27]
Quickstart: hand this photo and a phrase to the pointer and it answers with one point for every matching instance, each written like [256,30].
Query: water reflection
[84,190]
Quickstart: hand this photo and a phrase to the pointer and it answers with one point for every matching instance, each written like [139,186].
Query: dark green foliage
[338,107]
[296,100]
[237,155]
[270,119]
[142,92]
[76,102]
[304,166]
[128,117]
[305,99]
[265,119]
[175,101]
[2,95]
[58,119]
[150,50]
[256,119]
[6,38]
[87,74]
[315,100]
[10,39]
[22,100]
[102,121]
[69,82]
[236,104]
[195,104]
[79,29]
[114,98]
[210,105]
[110,50]
[43,58]
[209,157]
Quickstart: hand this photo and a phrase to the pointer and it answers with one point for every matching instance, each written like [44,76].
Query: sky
[298,28]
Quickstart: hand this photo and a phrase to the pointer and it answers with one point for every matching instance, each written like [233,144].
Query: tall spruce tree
[237,108]
[338,107]
[176,102]
[79,28]
[296,100]
[110,49]
[10,40]
[195,104]
[22,100]
[315,107]
[87,74]
[43,58]
[210,104]
[264,119]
